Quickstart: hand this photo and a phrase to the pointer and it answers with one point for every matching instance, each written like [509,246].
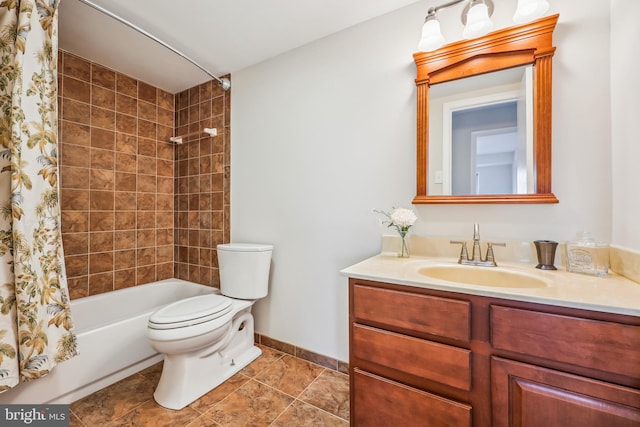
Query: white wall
[324,133]
[625,110]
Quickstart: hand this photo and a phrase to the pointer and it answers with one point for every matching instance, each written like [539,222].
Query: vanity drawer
[443,317]
[425,359]
[604,346]
[379,401]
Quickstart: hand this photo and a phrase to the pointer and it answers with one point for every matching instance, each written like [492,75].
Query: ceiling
[223,36]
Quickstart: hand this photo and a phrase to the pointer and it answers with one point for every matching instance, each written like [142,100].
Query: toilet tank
[244,269]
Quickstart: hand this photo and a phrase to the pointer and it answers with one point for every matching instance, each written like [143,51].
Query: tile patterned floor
[277,389]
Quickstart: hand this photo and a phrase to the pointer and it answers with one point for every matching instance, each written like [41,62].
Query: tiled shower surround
[202,182]
[135,207]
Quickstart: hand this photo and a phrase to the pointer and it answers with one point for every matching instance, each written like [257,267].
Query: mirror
[481,134]
[484,118]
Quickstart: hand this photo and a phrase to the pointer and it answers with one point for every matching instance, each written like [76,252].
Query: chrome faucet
[476,252]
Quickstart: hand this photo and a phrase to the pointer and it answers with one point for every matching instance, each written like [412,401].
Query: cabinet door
[525,395]
[381,402]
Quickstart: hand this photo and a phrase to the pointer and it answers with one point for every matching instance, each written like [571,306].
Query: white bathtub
[111,330]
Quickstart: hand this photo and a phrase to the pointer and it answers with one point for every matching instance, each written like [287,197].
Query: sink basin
[482,276]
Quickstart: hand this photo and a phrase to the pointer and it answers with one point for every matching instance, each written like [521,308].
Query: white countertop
[611,294]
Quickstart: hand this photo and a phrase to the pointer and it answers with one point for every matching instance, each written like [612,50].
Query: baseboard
[319,359]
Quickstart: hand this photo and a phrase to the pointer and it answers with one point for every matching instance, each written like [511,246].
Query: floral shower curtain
[36,331]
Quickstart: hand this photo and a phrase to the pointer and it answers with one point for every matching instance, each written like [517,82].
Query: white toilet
[208,338]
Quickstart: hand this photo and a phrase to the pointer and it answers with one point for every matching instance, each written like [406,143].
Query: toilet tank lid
[245,247]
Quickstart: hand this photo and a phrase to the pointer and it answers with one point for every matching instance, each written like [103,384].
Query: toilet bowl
[208,338]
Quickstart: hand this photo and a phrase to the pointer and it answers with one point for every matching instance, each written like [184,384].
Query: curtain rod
[222,82]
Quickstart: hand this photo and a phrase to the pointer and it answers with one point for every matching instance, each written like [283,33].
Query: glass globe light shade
[478,22]
[432,37]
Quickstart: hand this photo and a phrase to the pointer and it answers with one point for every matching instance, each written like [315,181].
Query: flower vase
[404,249]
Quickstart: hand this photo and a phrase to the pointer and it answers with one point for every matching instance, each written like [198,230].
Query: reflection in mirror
[481,134]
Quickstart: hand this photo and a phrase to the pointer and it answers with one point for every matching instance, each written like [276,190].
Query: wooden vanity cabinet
[604,352]
[410,357]
[421,357]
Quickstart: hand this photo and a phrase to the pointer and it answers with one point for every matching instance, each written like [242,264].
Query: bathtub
[111,331]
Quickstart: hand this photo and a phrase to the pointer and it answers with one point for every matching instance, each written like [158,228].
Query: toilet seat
[191,311]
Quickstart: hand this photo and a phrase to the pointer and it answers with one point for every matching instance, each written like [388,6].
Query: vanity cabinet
[433,358]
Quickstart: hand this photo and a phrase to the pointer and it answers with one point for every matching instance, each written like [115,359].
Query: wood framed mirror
[528,47]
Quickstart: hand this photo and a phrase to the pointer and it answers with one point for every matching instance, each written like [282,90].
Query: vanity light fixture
[476,19]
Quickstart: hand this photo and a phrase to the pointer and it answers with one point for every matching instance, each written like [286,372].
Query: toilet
[208,338]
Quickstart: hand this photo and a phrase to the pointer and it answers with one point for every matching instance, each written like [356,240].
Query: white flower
[399,218]
[403,217]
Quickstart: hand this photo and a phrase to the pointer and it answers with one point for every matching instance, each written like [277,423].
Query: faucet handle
[490,257]
[463,249]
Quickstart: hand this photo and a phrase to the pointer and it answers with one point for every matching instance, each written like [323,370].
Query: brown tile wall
[117,178]
[202,182]
[135,207]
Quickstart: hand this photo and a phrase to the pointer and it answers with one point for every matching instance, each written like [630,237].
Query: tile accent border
[310,356]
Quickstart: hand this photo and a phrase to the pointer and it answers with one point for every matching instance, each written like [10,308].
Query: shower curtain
[36,331]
